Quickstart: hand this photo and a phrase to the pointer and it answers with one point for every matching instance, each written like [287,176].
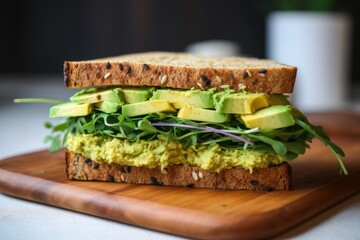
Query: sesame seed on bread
[181,71]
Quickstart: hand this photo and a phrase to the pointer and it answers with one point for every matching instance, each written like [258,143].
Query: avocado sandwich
[174,119]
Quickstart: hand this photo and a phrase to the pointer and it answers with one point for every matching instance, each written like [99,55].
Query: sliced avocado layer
[273,117]
[135,102]
[107,106]
[200,114]
[111,95]
[240,103]
[196,98]
[143,108]
[134,95]
[70,109]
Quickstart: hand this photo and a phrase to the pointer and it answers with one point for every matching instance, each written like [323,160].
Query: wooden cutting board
[196,213]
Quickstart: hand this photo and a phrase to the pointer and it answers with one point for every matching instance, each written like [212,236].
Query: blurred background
[38,35]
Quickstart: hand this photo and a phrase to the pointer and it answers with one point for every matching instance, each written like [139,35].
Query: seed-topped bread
[273,178]
[182,71]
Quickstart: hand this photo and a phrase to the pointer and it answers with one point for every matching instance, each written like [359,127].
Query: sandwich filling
[160,153]
[212,129]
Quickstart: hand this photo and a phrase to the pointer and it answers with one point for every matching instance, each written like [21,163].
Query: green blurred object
[305,5]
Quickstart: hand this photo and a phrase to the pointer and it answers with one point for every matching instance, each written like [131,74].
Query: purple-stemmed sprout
[206,128]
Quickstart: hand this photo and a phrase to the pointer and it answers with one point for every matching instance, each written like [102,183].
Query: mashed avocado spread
[159,153]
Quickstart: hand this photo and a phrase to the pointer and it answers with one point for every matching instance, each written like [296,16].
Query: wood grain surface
[195,213]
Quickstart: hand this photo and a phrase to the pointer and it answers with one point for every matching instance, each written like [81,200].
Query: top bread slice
[182,71]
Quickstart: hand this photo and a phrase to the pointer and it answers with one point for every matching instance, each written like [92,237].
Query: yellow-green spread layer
[160,153]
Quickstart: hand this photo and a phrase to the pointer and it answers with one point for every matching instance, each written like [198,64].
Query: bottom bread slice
[273,178]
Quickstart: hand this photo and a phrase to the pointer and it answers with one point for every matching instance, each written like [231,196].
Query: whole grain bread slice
[273,178]
[182,71]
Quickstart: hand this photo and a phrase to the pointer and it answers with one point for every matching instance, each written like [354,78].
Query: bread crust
[273,178]
[181,71]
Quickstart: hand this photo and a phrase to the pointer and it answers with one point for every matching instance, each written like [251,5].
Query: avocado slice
[200,114]
[196,98]
[134,95]
[70,109]
[273,117]
[107,106]
[240,103]
[111,95]
[143,108]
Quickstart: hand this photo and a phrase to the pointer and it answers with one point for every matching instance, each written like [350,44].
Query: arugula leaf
[146,129]
[290,156]
[278,147]
[146,126]
[287,142]
[296,147]
[55,141]
[60,127]
[320,134]
[204,133]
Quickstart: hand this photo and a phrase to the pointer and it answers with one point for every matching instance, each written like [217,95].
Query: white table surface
[22,131]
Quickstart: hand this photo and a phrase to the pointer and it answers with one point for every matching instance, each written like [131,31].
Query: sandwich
[174,119]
